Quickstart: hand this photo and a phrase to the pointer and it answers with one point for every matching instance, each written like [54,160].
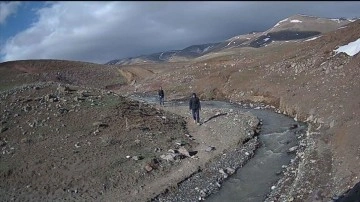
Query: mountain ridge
[292,28]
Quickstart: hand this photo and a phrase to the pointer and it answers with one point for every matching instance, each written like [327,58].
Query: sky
[97,31]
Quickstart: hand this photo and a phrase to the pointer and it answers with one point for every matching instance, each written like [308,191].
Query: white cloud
[102,31]
[6,9]
[67,28]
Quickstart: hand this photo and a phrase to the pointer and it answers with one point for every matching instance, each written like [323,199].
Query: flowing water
[253,182]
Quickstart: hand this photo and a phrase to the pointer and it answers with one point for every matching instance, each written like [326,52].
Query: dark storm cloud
[102,31]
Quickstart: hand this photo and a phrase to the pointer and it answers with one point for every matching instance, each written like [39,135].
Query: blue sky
[101,31]
[24,14]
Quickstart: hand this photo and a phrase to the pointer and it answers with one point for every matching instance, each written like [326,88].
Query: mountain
[293,28]
[174,55]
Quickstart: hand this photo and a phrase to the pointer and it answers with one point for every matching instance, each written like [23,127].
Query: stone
[293,149]
[172,151]
[210,148]
[2,143]
[230,171]
[293,126]
[79,99]
[63,110]
[168,157]
[3,129]
[63,89]
[202,193]
[136,158]
[184,151]
[77,145]
[218,184]
[25,140]
[100,124]
[148,168]
[332,123]
[27,108]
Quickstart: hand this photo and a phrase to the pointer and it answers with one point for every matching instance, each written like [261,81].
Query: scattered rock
[210,148]
[27,108]
[79,99]
[136,158]
[225,175]
[148,168]
[230,171]
[63,89]
[293,126]
[3,129]
[172,151]
[293,149]
[168,157]
[77,145]
[184,151]
[2,143]
[100,124]
[25,140]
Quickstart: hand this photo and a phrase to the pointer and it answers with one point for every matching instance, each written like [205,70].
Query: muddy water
[253,182]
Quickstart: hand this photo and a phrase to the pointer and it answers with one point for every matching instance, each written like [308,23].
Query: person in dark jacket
[161,96]
[195,107]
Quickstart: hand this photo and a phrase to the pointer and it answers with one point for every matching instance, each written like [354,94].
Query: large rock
[184,151]
[169,156]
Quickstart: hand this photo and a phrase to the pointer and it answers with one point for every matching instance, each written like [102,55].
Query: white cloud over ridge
[102,31]
[7,9]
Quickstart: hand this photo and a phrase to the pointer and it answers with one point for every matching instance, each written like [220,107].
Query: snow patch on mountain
[277,24]
[336,20]
[296,21]
[313,38]
[350,49]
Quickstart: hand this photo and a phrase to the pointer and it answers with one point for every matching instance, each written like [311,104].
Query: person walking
[195,107]
[161,96]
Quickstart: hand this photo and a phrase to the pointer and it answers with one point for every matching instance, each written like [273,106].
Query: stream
[253,182]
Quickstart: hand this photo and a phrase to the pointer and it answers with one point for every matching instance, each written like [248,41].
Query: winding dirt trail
[222,128]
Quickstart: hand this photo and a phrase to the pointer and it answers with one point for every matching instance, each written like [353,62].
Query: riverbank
[209,179]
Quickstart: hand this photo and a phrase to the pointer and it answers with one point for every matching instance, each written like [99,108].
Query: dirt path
[221,129]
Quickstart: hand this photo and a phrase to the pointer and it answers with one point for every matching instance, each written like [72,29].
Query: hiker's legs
[194,114]
[197,116]
[161,100]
